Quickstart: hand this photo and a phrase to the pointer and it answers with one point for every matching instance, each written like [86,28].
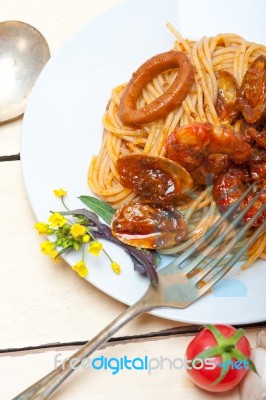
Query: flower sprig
[73,235]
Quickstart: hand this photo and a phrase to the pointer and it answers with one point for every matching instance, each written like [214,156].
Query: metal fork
[179,286]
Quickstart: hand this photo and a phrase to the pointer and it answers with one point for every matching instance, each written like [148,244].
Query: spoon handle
[42,389]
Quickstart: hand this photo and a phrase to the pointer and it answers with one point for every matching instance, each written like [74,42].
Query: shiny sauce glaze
[151,221]
[154,178]
[148,225]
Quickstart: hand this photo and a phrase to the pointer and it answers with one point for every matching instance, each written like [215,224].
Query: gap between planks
[169,333]
[14,157]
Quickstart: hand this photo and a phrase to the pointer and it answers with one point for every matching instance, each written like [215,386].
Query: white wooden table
[46,310]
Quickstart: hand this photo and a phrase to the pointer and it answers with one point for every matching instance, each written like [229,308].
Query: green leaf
[208,353]
[216,333]
[238,355]
[226,364]
[157,258]
[101,208]
[234,339]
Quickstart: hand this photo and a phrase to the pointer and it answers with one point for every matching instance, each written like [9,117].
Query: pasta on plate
[208,56]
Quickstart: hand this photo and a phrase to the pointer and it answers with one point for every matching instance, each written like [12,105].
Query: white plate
[62,130]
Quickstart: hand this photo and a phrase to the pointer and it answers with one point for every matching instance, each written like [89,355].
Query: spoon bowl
[23,54]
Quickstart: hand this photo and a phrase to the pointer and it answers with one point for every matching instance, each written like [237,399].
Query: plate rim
[23,161]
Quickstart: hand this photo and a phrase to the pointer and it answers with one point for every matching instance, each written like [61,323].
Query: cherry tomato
[218,358]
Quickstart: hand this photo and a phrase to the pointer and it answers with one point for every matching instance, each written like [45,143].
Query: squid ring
[165,103]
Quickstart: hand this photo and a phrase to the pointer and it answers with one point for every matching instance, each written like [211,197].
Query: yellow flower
[60,192]
[85,239]
[57,219]
[47,247]
[77,230]
[95,248]
[54,256]
[81,268]
[116,267]
[41,227]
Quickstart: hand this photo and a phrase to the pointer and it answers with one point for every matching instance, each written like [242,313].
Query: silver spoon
[23,54]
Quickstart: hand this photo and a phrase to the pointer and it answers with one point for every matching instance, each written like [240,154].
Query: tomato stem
[226,349]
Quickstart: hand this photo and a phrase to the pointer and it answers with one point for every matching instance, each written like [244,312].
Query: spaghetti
[209,55]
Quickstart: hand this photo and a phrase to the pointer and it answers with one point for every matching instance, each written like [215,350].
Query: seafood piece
[156,178]
[230,185]
[258,171]
[165,103]
[258,164]
[198,148]
[149,226]
[253,91]
[227,104]
[258,204]
[258,136]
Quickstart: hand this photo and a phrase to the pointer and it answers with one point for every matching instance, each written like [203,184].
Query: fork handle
[42,389]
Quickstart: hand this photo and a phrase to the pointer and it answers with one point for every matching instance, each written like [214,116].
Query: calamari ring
[165,103]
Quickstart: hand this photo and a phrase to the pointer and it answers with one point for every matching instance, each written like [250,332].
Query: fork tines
[230,230]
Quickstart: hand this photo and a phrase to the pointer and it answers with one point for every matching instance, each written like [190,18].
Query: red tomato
[232,349]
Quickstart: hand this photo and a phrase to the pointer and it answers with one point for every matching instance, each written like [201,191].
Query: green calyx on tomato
[227,350]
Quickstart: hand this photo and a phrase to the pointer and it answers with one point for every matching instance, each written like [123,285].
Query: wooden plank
[56,20]
[10,137]
[167,380]
[42,302]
